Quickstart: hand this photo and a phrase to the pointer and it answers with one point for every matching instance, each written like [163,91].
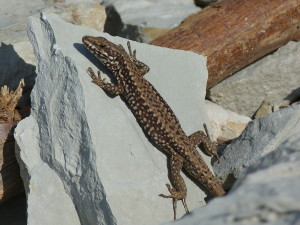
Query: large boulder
[267,192]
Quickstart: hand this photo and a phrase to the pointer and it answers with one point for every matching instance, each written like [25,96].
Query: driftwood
[10,181]
[234,33]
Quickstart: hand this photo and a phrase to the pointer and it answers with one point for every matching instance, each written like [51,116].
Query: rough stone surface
[274,78]
[84,159]
[268,193]
[226,125]
[261,137]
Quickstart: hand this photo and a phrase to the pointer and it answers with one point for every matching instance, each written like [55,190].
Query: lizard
[155,117]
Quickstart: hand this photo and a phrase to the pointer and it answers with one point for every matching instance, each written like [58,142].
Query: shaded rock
[83,156]
[17,61]
[13,211]
[153,13]
[203,3]
[266,194]
[261,137]
[275,77]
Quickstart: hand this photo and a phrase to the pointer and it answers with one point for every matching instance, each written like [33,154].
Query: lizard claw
[91,73]
[175,195]
[96,79]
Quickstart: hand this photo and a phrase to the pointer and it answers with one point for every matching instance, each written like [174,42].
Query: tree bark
[234,33]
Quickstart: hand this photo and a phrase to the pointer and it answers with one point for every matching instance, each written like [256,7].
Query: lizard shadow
[81,48]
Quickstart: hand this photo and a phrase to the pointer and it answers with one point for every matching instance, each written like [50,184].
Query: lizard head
[107,52]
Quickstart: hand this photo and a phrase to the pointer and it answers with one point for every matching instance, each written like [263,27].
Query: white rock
[225,124]
[48,202]
[86,148]
[90,13]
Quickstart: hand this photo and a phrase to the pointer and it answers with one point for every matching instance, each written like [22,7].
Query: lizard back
[153,114]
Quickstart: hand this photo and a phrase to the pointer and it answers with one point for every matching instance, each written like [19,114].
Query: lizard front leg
[179,191]
[109,87]
[142,67]
[200,137]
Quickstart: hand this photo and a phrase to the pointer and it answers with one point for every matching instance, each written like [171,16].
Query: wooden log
[234,33]
[11,183]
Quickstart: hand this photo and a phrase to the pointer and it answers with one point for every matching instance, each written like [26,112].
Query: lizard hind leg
[179,191]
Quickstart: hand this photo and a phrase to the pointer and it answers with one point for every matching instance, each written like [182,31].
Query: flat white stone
[90,143]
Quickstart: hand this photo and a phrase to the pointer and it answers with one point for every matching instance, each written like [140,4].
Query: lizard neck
[125,70]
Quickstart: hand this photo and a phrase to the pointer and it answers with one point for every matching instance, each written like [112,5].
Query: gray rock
[84,158]
[268,193]
[261,137]
[274,78]
[153,13]
[144,20]
[13,15]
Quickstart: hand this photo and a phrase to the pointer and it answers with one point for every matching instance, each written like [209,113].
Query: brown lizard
[155,117]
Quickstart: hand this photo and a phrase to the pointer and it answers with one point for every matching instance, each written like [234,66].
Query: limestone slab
[87,145]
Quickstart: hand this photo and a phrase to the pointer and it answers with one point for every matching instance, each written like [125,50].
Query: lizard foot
[96,79]
[213,150]
[176,196]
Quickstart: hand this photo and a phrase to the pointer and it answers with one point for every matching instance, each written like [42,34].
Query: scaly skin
[155,117]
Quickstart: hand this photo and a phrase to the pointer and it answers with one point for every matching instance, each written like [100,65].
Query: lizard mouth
[91,44]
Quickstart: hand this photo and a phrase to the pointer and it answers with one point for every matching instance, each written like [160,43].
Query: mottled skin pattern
[155,117]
